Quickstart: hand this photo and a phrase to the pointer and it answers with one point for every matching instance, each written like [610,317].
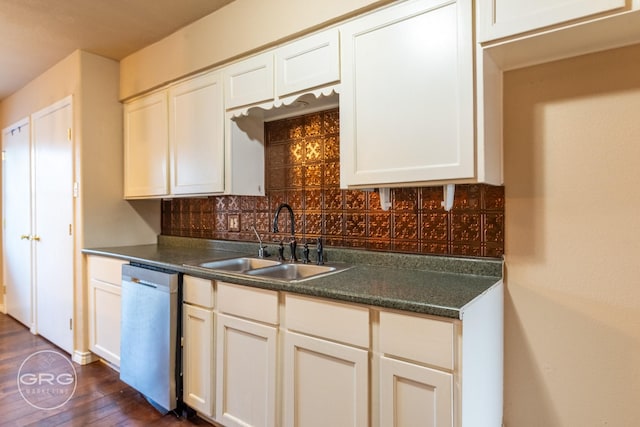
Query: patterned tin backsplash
[302,163]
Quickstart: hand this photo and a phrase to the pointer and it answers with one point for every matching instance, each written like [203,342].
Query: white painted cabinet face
[174,140]
[146,145]
[249,81]
[414,395]
[198,353]
[104,276]
[326,363]
[308,63]
[407,100]
[246,355]
[196,136]
[246,371]
[325,383]
[175,144]
[504,18]
[197,363]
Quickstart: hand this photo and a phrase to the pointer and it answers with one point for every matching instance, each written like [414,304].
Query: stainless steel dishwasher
[148,342]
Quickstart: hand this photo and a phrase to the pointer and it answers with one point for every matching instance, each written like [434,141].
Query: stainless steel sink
[295,272]
[239,265]
[271,269]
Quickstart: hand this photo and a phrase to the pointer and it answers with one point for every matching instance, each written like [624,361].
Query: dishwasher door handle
[143,282]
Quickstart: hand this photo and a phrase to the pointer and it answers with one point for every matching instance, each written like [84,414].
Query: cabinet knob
[36,238]
[25,237]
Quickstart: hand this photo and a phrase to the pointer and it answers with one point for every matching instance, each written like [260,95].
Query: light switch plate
[233,222]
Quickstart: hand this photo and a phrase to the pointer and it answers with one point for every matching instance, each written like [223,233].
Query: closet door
[16,206]
[53,222]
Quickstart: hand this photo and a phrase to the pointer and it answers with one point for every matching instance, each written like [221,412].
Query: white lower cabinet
[198,350]
[326,372]
[414,395]
[325,383]
[416,365]
[104,307]
[281,359]
[246,354]
[434,371]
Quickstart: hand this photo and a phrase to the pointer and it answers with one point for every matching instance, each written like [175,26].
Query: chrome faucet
[292,242]
[262,251]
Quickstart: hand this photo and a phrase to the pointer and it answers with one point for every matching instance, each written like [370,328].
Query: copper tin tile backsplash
[303,170]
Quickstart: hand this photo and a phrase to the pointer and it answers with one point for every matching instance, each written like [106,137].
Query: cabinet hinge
[69,134]
[4,290]
[181,341]
[4,155]
[70,230]
[70,324]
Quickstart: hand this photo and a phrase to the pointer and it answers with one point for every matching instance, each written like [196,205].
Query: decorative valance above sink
[278,108]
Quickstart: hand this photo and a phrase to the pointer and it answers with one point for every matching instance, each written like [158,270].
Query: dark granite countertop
[440,286]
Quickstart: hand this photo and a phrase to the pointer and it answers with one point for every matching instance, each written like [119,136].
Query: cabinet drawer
[339,322]
[416,338]
[197,291]
[250,303]
[104,269]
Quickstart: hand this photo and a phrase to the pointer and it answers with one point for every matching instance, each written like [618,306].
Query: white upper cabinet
[175,144]
[302,65]
[407,96]
[504,18]
[146,147]
[196,128]
[249,81]
[307,63]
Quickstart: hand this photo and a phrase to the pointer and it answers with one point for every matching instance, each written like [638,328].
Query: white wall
[51,86]
[101,216]
[572,186]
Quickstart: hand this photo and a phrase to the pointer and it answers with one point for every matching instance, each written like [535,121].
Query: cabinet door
[16,208]
[197,358]
[53,223]
[105,275]
[104,320]
[413,395]
[310,62]
[146,147]
[325,383]
[503,18]
[406,101]
[249,81]
[246,385]
[196,128]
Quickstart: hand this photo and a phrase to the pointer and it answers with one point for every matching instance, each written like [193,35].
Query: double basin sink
[271,269]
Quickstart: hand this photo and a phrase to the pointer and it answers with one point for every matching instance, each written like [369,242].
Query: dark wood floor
[100,398]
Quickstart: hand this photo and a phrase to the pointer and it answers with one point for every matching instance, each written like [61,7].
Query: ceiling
[36,34]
